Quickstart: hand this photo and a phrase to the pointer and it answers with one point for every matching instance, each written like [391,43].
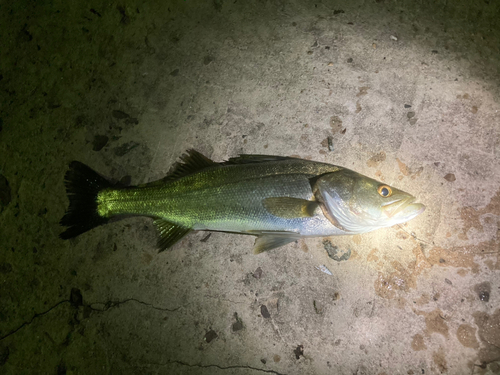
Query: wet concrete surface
[405,92]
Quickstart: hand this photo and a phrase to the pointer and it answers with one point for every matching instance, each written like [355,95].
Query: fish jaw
[402,210]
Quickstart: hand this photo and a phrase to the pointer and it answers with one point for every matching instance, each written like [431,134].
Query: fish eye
[385,191]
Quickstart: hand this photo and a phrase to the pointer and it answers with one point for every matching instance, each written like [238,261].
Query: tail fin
[82,186]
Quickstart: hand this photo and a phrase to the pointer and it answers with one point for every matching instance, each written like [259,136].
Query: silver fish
[278,199]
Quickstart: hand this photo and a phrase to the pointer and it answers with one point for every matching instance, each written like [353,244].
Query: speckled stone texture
[406,92]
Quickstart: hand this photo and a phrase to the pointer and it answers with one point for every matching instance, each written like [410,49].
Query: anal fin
[170,233]
[269,240]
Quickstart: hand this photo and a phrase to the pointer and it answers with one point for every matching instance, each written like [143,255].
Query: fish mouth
[402,210]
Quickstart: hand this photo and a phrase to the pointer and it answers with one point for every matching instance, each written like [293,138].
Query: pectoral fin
[271,240]
[290,208]
[169,233]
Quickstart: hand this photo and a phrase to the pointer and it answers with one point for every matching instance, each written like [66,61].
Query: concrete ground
[403,91]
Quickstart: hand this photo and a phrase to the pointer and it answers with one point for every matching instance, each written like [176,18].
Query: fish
[275,198]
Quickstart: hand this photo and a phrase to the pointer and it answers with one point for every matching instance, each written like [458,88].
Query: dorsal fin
[246,159]
[192,161]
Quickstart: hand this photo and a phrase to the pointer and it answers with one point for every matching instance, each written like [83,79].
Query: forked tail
[82,186]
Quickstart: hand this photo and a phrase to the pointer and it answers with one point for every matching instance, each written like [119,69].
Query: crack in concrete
[110,304]
[107,306]
[37,315]
[414,235]
[228,367]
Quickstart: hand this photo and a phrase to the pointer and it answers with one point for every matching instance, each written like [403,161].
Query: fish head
[359,204]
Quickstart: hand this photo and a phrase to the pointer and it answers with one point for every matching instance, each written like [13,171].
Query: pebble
[5,195]
[210,336]
[238,325]
[205,239]
[330,143]
[335,253]
[120,115]
[76,298]
[299,351]
[484,296]
[264,311]
[257,273]
[450,177]
[99,142]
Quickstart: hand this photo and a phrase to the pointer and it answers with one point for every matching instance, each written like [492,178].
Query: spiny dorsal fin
[290,208]
[169,233]
[193,161]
